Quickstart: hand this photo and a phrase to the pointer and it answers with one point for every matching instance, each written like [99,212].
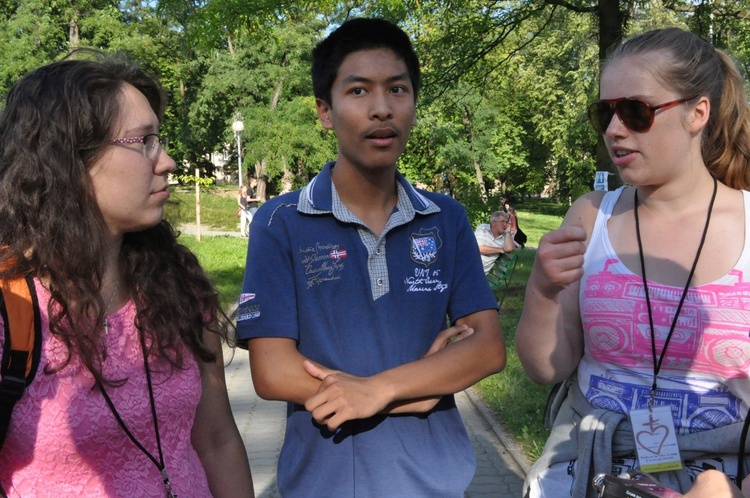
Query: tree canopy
[506,83]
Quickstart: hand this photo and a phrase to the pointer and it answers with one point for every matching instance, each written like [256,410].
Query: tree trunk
[611,26]
[260,174]
[468,123]
[611,30]
[277,94]
[74,37]
[230,44]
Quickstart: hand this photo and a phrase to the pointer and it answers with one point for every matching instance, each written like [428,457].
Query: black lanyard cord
[160,463]
[658,362]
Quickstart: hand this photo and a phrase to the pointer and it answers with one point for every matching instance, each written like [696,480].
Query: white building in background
[220,160]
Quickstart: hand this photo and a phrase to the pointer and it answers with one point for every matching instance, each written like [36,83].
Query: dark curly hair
[56,122]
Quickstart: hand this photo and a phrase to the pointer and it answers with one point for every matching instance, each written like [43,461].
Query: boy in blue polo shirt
[347,288]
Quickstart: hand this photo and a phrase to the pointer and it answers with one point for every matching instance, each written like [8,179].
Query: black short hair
[355,35]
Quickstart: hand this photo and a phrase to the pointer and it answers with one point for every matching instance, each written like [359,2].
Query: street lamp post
[238,127]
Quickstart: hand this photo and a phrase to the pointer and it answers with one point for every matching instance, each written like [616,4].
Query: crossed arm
[280,372]
[508,246]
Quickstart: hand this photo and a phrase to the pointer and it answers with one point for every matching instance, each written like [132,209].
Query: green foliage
[502,108]
[202,180]
[30,37]
[267,82]
[223,258]
[559,84]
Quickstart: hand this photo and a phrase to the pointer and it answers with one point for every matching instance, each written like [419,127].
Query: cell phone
[631,485]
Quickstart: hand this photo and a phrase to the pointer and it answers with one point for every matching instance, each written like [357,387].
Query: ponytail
[726,139]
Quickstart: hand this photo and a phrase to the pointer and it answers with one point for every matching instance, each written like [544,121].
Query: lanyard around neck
[658,362]
[158,463]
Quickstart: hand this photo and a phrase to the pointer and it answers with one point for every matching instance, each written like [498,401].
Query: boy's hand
[445,337]
[559,259]
[342,397]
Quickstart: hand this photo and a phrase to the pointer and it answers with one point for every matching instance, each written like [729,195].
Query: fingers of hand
[463,334]
[343,397]
[317,371]
[325,411]
[560,255]
[451,334]
[567,233]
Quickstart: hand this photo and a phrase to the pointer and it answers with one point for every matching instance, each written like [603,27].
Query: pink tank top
[704,374]
[64,441]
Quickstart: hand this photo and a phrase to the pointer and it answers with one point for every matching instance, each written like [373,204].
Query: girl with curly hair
[129,398]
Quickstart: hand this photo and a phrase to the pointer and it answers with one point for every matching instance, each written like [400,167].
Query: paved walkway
[501,465]
[204,230]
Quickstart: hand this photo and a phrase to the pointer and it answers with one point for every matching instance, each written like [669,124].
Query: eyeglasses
[635,114]
[151,144]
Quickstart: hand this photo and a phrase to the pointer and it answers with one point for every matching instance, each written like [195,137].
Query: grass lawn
[224,260]
[518,402]
[218,207]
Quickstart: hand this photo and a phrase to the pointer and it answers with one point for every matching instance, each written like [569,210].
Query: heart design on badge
[652,440]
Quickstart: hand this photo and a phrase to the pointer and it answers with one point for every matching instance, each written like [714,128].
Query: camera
[632,484]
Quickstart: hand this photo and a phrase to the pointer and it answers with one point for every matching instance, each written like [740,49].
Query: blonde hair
[693,68]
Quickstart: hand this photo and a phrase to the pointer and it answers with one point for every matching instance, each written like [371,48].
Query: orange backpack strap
[23,338]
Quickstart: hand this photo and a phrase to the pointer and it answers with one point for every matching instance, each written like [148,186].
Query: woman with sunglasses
[638,303]
[129,396]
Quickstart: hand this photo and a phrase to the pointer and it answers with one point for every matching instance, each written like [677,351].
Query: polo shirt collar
[317,197]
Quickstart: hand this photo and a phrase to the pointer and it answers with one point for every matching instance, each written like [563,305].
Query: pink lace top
[64,441]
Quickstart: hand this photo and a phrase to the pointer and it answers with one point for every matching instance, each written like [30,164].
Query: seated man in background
[494,239]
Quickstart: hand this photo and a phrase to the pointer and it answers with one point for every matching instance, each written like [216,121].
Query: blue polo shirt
[363,304]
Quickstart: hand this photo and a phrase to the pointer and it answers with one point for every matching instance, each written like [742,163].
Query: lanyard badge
[655,439]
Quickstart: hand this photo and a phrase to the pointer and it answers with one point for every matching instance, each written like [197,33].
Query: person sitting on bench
[494,239]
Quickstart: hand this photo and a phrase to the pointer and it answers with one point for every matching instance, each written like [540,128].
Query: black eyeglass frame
[600,121]
[148,152]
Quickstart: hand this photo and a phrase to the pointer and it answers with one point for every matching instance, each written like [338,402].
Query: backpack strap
[22,349]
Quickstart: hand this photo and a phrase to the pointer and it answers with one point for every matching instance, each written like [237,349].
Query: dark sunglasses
[635,114]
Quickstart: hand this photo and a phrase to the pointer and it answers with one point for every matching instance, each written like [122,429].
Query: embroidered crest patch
[425,245]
